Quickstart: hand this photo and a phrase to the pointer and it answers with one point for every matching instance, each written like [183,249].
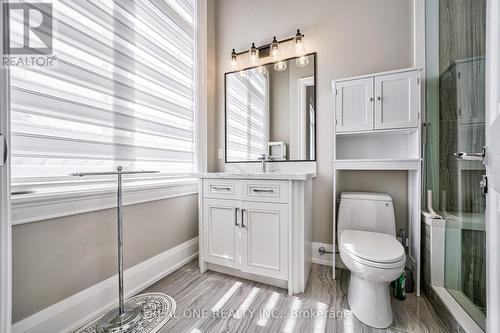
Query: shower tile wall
[461,128]
[441,310]
[461,88]
[474,267]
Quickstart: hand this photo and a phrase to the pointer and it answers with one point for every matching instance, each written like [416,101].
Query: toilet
[369,249]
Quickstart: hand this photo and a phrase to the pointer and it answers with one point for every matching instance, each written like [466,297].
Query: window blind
[247,114]
[121,93]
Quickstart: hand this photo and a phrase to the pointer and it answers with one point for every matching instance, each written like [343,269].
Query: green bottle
[400,288]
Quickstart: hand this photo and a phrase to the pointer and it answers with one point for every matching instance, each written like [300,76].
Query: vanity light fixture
[254,54]
[280,66]
[275,48]
[234,60]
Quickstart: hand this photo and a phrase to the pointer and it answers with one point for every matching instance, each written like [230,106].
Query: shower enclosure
[455,106]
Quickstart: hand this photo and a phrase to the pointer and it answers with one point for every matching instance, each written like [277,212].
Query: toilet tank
[366,211]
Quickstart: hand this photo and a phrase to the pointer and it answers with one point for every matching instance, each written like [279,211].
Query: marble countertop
[256,175]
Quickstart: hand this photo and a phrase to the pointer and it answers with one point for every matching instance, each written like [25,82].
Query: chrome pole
[126,316]
[120,242]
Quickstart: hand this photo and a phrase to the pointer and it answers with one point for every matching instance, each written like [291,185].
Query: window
[122,93]
[247,103]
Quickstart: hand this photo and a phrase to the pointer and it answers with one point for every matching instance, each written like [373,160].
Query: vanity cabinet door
[265,239]
[396,100]
[354,105]
[221,231]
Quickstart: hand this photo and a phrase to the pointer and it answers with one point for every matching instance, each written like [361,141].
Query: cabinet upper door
[265,239]
[221,233]
[397,100]
[354,105]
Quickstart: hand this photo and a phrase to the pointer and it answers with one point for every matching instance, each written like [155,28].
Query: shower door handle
[471,156]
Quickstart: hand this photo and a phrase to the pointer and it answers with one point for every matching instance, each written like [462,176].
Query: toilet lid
[373,246]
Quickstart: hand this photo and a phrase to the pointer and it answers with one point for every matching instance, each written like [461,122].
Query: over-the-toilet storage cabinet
[378,102]
[377,126]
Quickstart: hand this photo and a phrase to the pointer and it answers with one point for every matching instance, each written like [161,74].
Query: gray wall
[351,38]
[57,258]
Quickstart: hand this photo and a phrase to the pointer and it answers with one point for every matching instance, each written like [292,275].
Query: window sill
[35,207]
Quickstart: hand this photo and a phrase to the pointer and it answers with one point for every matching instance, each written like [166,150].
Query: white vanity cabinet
[257,227]
[264,239]
[378,102]
[220,228]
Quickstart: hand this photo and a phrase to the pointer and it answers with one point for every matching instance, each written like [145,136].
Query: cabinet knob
[378,98]
[371,99]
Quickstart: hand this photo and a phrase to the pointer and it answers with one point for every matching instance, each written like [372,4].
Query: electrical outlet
[220,153]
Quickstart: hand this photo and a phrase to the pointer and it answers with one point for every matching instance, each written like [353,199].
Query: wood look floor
[210,302]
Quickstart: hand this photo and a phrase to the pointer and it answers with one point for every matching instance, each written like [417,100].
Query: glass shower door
[456,124]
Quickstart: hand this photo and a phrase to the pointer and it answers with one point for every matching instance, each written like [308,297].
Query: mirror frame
[315,104]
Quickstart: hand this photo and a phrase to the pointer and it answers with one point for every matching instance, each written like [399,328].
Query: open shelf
[378,164]
[397,131]
[386,145]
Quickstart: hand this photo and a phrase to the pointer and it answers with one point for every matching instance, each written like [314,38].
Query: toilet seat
[372,249]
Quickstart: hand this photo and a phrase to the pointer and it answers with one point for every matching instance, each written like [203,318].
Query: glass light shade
[275,48]
[302,62]
[261,69]
[298,41]
[254,54]
[280,66]
[234,60]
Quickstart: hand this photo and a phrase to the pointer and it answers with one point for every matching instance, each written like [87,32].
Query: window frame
[43,201]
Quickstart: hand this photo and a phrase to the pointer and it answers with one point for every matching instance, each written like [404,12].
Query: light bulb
[234,59]
[302,61]
[275,48]
[254,54]
[298,41]
[280,66]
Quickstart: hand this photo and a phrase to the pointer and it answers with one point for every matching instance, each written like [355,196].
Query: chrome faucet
[263,158]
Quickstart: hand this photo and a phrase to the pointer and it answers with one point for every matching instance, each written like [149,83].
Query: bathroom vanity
[257,226]
[252,223]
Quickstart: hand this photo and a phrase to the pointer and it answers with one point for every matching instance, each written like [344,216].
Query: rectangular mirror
[271,109]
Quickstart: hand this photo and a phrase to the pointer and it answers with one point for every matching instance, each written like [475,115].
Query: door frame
[492,164]
[303,114]
[5,216]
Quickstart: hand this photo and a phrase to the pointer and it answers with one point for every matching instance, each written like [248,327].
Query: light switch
[220,153]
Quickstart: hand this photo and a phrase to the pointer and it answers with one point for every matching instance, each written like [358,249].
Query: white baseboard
[327,258]
[74,311]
